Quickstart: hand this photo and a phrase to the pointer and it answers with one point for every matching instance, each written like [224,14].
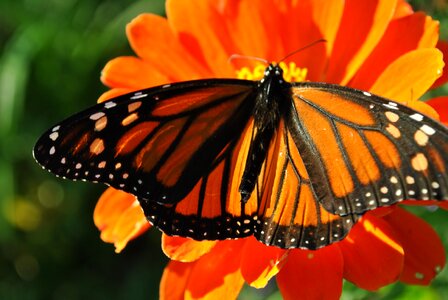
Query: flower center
[291,72]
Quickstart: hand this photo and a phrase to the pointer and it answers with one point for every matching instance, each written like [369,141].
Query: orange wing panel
[384,148]
[337,105]
[321,131]
[362,161]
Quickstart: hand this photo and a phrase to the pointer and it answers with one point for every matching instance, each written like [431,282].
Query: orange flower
[380,46]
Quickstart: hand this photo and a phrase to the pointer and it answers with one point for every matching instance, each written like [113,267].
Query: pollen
[291,72]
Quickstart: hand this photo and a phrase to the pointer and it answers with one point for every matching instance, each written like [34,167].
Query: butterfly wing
[155,143]
[213,209]
[290,214]
[283,209]
[362,151]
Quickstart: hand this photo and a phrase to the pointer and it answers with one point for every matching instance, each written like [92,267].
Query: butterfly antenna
[303,48]
[239,56]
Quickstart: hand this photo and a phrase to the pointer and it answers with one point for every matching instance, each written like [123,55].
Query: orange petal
[373,255]
[132,73]
[423,107]
[110,94]
[403,9]
[312,274]
[403,35]
[443,47]
[382,211]
[217,275]
[443,204]
[185,249]
[258,269]
[440,104]
[174,280]
[252,25]
[327,15]
[409,76]
[153,40]
[363,25]
[199,26]
[424,252]
[119,218]
[130,225]
[299,28]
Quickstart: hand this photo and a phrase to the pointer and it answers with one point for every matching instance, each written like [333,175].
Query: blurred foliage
[51,54]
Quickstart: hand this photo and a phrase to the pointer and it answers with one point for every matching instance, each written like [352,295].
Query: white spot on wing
[110,104]
[410,180]
[389,105]
[96,116]
[417,117]
[138,96]
[54,136]
[427,129]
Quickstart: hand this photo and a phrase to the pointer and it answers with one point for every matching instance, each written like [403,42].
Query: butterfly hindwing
[156,143]
[290,215]
[363,151]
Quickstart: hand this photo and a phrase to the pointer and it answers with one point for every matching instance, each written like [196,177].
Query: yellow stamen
[291,72]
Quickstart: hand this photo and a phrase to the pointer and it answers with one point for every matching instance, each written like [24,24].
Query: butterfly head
[273,71]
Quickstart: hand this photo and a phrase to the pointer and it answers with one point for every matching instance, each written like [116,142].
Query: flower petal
[252,27]
[153,40]
[312,274]
[185,249]
[440,104]
[130,225]
[403,9]
[258,269]
[217,275]
[443,204]
[327,15]
[199,26]
[131,72]
[409,76]
[373,255]
[299,28]
[442,46]
[108,210]
[424,252]
[119,217]
[174,280]
[362,26]
[422,107]
[403,35]
[113,93]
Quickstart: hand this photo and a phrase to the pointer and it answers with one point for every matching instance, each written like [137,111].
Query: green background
[51,55]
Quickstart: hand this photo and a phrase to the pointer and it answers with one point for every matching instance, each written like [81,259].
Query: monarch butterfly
[294,164]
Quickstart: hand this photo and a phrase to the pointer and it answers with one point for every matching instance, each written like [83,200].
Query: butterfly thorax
[269,102]
[273,93]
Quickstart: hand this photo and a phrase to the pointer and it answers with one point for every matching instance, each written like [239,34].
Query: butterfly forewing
[156,143]
[363,151]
